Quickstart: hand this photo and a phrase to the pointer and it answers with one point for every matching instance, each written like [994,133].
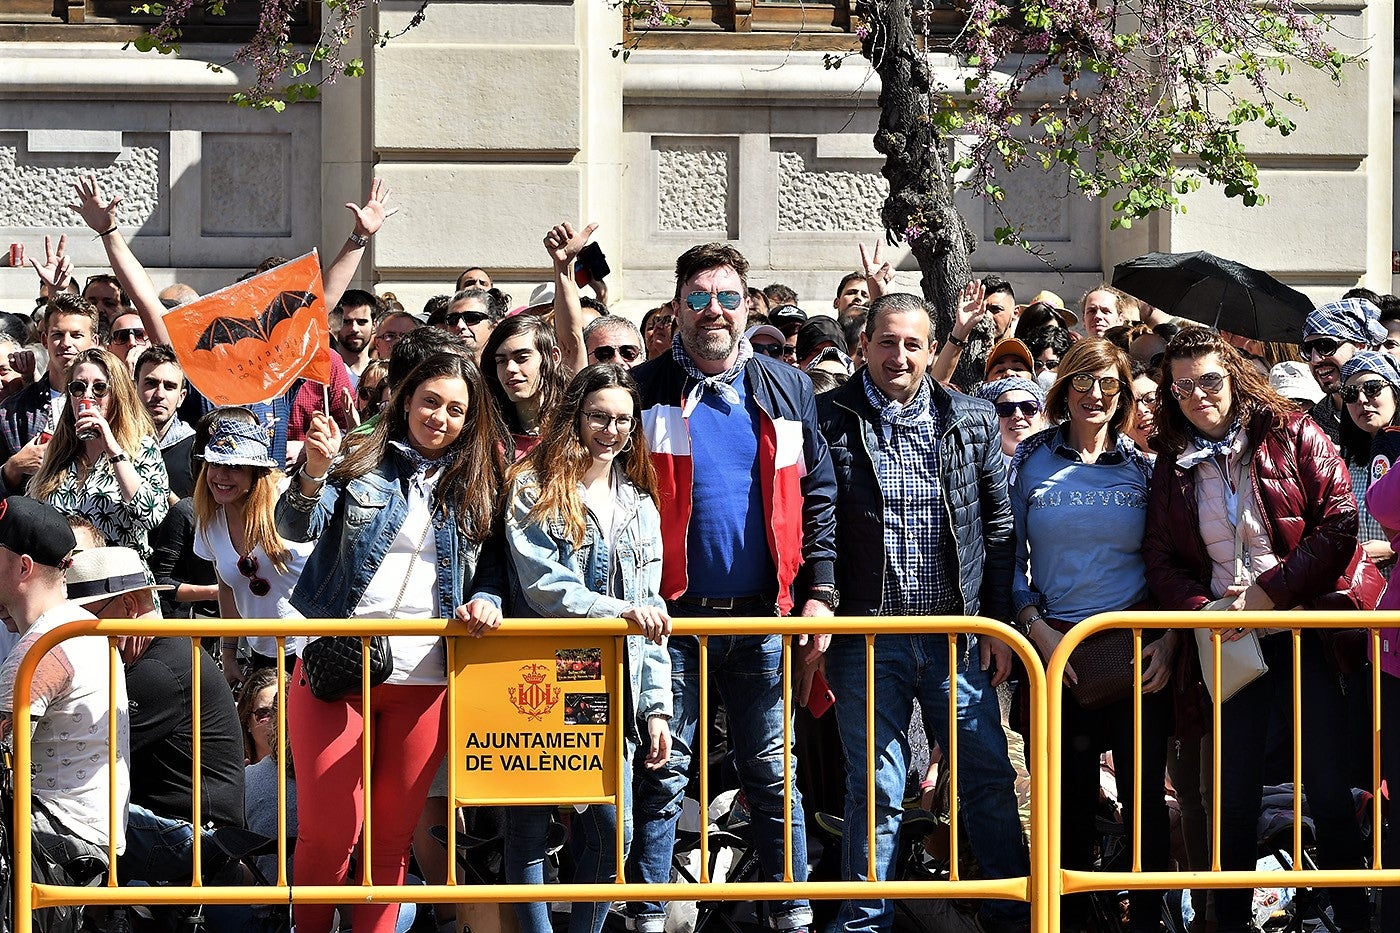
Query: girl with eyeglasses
[584,538]
[103,463]
[1144,400]
[397,518]
[1251,503]
[1079,501]
[1020,406]
[235,494]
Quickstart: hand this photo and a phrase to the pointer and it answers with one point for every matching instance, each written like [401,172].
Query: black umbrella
[1223,294]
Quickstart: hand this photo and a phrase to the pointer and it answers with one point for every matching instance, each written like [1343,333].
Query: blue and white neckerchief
[421,465]
[721,384]
[1221,448]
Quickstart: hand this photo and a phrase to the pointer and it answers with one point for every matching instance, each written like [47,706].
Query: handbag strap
[1243,576]
[394,613]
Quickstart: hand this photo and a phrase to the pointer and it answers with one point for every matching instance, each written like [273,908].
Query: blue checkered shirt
[918,580]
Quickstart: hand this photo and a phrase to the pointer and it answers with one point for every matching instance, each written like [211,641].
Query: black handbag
[334,665]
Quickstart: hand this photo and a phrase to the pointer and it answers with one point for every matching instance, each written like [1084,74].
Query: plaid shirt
[917,538]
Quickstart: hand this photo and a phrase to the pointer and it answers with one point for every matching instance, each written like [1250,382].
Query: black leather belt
[728,602]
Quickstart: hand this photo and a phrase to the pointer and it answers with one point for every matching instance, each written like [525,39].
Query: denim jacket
[354,525]
[559,580]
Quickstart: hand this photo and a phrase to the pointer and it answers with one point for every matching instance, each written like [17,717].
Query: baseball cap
[1294,380]
[765,330]
[819,330]
[28,526]
[787,318]
[1011,347]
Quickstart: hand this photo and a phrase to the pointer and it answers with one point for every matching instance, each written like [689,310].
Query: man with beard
[27,419]
[1331,335]
[161,384]
[747,496]
[358,309]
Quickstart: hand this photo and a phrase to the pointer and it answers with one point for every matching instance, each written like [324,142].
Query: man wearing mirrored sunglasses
[469,317]
[746,498]
[1331,336]
[613,339]
[127,338]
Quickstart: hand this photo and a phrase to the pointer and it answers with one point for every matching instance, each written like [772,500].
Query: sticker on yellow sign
[536,720]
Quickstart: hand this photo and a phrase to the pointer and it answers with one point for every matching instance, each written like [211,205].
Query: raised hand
[970,309]
[98,216]
[371,217]
[563,243]
[57,268]
[879,274]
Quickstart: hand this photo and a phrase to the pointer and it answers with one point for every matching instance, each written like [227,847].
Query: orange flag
[249,342]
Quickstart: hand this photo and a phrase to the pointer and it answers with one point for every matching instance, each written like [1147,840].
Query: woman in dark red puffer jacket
[1235,455]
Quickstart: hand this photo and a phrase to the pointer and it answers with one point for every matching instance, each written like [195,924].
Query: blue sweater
[1079,529]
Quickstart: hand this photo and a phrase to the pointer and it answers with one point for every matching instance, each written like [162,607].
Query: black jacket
[973,480]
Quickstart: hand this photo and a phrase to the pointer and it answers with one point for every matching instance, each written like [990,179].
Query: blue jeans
[909,666]
[748,672]
[593,842]
[160,850]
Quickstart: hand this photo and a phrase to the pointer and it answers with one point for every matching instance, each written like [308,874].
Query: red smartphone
[820,699]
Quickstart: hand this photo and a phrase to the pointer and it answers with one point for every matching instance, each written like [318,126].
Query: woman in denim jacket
[584,539]
[398,522]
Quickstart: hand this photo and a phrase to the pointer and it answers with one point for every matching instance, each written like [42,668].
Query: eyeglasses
[248,566]
[1043,365]
[1085,382]
[1210,383]
[659,322]
[699,301]
[1028,408]
[789,351]
[627,352]
[472,318]
[80,388]
[1370,388]
[601,421]
[129,335]
[262,713]
[1146,400]
[1322,346]
[774,350]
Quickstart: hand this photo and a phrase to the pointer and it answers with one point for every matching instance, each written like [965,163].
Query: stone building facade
[494,120]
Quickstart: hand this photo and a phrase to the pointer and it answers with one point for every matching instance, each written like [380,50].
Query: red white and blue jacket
[798,483]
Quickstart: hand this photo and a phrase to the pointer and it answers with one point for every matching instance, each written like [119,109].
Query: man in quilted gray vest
[923,527]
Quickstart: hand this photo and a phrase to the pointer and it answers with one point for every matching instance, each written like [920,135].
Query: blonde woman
[103,463]
[235,495]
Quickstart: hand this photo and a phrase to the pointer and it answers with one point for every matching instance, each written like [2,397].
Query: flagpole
[326,397]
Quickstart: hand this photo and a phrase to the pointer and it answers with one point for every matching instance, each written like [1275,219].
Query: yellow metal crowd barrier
[1042,889]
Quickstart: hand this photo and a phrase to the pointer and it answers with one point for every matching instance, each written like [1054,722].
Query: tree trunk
[920,205]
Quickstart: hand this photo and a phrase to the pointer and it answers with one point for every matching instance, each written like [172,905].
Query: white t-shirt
[212,543]
[56,402]
[69,704]
[410,568]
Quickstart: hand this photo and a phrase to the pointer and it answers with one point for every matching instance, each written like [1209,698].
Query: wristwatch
[957,341]
[825,594]
[1025,627]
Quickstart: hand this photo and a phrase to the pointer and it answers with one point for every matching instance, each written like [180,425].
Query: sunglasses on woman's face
[1028,408]
[262,713]
[79,388]
[774,350]
[248,566]
[1209,383]
[1084,383]
[1371,388]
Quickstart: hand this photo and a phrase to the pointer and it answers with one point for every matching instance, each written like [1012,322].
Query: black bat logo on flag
[230,330]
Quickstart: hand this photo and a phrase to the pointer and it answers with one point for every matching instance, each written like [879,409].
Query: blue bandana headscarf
[1353,319]
[991,391]
[1369,361]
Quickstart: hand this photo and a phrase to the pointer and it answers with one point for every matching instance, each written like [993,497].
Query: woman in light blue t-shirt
[1079,498]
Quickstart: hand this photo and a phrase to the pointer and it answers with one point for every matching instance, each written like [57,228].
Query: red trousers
[408,734]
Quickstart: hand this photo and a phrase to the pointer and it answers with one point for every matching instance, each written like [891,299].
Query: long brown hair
[472,482]
[1089,356]
[1250,392]
[129,422]
[259,523]
[559,460]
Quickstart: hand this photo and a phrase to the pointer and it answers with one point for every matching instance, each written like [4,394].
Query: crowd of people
[732,456]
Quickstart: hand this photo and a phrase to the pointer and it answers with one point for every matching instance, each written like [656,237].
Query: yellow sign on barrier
[537,720]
